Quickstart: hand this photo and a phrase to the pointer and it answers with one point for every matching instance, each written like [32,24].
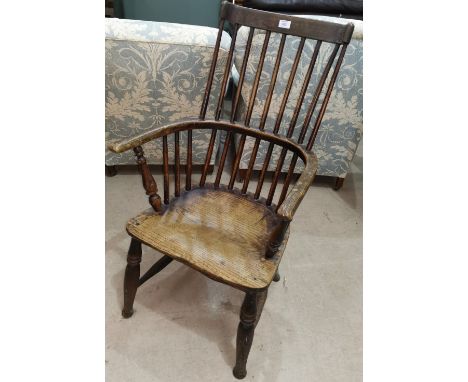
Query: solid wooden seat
[222,234]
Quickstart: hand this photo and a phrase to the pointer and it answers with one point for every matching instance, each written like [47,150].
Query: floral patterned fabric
[156,74]
[341,127]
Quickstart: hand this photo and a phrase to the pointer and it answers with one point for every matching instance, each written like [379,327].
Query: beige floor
[184,324]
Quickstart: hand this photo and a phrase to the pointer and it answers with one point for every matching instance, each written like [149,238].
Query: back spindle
[274,76]
[318,121]
[253,94]
[318,91]
[234,106]
[278,123]
[304,87]
[289,85]
[310,112]
[166,170]
[177,164]
[219,106]
[188,166]
[209,82]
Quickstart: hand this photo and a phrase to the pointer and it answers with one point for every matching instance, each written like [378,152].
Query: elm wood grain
[219,233]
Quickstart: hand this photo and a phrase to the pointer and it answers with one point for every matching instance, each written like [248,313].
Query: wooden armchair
[234,236]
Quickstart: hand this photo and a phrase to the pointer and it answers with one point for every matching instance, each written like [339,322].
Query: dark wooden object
[111,171]
[229,234]
[338,183]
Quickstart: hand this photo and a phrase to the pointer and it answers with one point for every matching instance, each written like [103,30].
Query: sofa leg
[241,173]
[111,171]
[338,183]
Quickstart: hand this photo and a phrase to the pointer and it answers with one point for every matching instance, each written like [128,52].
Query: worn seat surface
[219,233]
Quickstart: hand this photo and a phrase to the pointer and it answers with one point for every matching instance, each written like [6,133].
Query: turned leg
[111,171]
[249,317]
[276,277]
[132,276]
[338,183]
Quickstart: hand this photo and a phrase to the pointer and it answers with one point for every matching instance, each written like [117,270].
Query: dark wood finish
[288,179]
[320,30]
[317,93]
[166,170]
[132,275]
[177,164]
[318,121]
[149,183]
[111,171]
[276,277]
[289,85]
[338,183]
[188,168]
[271,88]
[304,87]
[157,267]
[245,333]
[229,234]
[206,97]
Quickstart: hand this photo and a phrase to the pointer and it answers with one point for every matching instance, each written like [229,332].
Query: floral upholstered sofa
[156,74]
[341,128]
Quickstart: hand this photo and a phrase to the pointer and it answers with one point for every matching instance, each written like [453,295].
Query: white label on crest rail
[284,24]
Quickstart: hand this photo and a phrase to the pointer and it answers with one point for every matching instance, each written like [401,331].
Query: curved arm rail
[294,196]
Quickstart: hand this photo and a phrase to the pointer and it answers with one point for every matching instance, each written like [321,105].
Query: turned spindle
[148,181]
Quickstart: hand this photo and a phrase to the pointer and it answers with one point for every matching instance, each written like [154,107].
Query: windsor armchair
[232,235]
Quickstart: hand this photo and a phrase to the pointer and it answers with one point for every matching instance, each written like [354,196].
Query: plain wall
[195,12]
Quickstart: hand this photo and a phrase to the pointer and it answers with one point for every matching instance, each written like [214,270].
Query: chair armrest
[297,193]
[138,140]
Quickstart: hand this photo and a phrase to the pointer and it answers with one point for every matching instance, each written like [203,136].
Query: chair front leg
[250,314]
[132,276]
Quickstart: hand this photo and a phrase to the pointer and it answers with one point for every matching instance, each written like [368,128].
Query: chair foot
[338,183]
[277,277]
[111,171]
[126,314]
[239,374]
[132,276]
